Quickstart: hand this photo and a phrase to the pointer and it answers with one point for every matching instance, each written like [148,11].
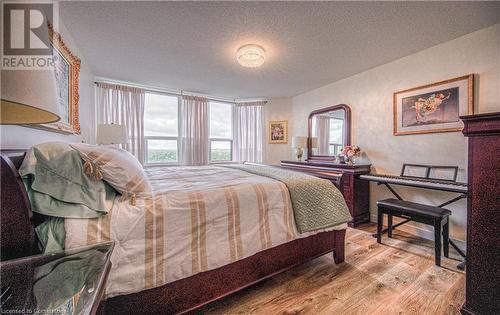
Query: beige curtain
[323,134]
[194,131]
[124,105]
[249,133]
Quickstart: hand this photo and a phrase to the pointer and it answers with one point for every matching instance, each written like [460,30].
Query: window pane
[221,120]
[335,149]
[336,131]
[160,115]
[331,150]
[161,151]
[220,150]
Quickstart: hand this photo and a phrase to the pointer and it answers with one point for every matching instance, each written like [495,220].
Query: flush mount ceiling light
[251,56]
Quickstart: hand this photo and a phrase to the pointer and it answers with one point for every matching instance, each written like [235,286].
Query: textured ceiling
[192,45]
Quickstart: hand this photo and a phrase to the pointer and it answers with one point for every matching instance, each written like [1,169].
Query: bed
[239,259]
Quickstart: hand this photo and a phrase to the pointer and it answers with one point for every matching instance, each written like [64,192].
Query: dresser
[346,178]
[482,288]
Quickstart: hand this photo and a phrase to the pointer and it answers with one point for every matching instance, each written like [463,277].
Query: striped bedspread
[197,219]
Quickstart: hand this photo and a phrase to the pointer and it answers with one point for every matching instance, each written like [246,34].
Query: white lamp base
[299,153]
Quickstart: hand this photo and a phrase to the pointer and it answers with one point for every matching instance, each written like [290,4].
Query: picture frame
[67,69]
[434,107]
[278,131]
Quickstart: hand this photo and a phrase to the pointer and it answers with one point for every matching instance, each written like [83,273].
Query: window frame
[230,140]
[146,138]
[231,160]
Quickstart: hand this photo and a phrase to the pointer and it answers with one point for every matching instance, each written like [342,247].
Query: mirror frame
[347,129]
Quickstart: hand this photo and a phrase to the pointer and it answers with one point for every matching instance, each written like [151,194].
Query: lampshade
[314,142]
[28,97]
[111,134]
[299,142]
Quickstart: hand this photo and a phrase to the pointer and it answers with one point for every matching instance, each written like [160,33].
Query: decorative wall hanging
[434,107]
[278,131]
[67,72]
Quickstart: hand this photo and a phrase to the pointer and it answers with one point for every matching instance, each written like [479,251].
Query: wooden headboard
[17,228]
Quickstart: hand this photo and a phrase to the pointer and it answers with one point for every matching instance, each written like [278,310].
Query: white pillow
[117,167]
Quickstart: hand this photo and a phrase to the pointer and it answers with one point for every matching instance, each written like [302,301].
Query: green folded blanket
[57,185]
[317,203]
[51,235]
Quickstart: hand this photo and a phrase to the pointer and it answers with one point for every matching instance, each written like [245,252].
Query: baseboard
[416,230]
[409,228]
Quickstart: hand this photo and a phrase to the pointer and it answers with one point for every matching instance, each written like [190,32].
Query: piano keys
[436,184]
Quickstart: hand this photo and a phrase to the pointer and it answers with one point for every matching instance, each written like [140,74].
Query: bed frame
[181,296]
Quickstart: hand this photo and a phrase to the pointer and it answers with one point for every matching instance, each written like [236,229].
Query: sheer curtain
[124,105]
[323,134]
[249,133]
[194,131]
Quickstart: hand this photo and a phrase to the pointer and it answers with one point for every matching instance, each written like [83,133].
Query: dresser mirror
[329,130]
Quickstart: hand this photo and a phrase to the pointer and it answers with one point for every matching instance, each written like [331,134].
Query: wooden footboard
[193,292]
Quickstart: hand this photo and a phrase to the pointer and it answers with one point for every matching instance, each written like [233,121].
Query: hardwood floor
[396,277]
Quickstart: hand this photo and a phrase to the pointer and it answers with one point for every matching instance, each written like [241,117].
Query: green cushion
[58,186]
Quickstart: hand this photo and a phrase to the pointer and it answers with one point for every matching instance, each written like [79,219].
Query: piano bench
[431,215]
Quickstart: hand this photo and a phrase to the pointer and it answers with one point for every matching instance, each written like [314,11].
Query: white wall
[18,137]
[278,109]
[369,94]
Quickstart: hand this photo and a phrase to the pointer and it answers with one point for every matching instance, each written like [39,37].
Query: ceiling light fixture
[251,56]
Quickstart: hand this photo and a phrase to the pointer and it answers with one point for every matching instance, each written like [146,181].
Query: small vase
[349,160]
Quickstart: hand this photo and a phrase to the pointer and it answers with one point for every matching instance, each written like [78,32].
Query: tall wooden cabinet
[346,178]
[482,290]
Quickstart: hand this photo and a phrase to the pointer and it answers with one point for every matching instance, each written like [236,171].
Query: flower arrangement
[350,151]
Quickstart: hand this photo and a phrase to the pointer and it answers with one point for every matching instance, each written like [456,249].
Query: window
[221,132]
[336,136]
[161,128]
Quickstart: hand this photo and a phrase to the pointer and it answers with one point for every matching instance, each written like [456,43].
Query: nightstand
[67,282]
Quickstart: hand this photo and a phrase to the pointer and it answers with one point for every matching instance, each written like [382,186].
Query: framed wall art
[67,72]
[434,107]
[278,131]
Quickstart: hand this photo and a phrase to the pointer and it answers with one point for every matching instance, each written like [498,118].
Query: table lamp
[28,97]
[299,142]
[111,134]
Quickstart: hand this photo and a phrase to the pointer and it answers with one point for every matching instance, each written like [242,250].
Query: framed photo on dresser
[433,107]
